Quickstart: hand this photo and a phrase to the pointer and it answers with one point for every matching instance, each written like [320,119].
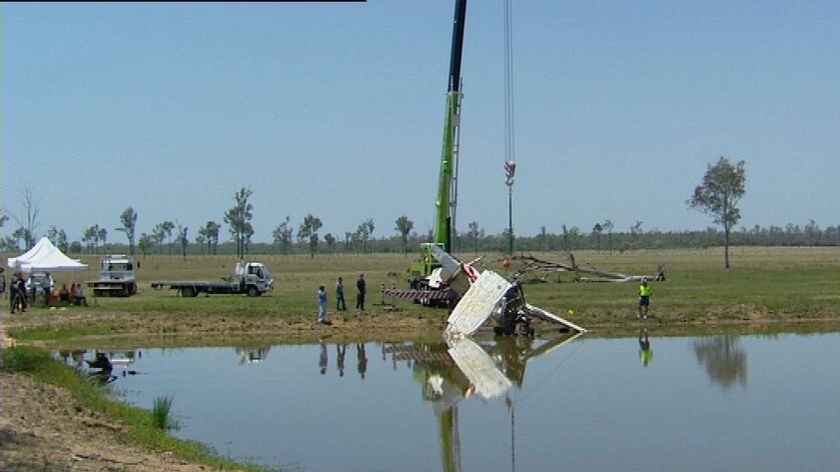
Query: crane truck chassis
[252,279]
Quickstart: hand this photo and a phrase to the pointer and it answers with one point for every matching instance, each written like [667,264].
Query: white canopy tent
[44,257]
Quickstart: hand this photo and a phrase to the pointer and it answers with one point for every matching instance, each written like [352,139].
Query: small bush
[160,413]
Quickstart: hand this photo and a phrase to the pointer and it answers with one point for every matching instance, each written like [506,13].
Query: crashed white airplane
[480,296]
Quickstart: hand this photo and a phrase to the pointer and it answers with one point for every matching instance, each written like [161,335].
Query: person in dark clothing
[362,290]
[19,300]
[339,295]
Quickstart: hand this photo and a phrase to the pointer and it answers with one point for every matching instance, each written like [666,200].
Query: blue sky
[336,109]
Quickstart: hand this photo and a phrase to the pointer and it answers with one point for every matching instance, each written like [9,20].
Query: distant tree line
[718,195]
[474,240]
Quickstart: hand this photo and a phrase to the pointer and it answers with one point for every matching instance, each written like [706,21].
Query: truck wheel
[252,291]
[132,289]
[188,292]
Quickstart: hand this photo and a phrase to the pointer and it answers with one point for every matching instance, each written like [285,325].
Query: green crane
[447,183]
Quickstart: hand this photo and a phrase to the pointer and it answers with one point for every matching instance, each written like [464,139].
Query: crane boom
[447,186]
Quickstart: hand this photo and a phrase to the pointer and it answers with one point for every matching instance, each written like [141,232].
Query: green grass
[778,282]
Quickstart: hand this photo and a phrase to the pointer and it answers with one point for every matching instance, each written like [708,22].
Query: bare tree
[29,222]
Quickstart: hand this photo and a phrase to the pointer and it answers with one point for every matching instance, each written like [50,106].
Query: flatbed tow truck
[251,278]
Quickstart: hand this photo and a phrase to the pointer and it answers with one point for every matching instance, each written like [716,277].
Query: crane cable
[510,145]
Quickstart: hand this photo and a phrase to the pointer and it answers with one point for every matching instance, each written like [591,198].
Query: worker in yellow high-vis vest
[644,299]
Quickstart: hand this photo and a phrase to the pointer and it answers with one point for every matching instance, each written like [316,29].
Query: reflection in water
[645,352]
[322,359]
[724,359]
[340,349]
[99,364]
[361,360]
[252,355]
[450,372]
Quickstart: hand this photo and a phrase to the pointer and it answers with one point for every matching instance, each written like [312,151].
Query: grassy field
[764,283]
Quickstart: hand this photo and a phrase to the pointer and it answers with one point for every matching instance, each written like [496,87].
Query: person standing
[644,299]
[2,284]
[340,305]
[322,305]
[29,287]
[361,291]
[20,295]
[47,286]
[12,293]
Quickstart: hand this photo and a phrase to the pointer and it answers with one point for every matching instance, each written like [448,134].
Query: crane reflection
[461,368]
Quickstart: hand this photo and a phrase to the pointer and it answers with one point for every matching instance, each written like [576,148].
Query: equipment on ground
[116,277]
[251,278]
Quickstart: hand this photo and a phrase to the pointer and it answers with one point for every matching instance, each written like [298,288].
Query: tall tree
[158,236]
[211,232]
[91,238]
[404,227]
[364,232]
[597,230]
[238,219]
[330,240]
[608,227]
[166,228]
[145,243]
[182,239]
[474,235]
[128,220]
[543,238]
[636,230]
[58,237]
[102,235]
[719,194]
[309,231]
[282,235]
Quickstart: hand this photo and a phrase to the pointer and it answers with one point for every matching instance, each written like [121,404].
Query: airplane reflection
[460,368]
[249,355]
